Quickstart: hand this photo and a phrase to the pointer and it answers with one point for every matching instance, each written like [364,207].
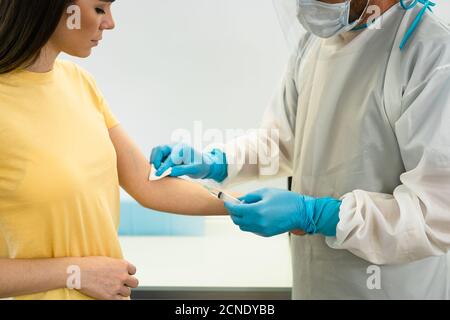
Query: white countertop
[223,257]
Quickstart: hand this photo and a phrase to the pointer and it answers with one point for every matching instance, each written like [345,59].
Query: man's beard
[356,9]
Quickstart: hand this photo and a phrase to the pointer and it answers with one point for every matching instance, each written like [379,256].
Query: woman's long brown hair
[25,27]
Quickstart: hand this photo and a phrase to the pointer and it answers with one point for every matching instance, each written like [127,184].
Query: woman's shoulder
[72,69]
[81,78]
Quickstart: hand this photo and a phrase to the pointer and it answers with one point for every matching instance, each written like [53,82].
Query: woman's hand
[106,278]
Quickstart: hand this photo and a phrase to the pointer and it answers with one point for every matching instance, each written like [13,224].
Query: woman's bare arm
[21,277]
[169,194]
[99,277]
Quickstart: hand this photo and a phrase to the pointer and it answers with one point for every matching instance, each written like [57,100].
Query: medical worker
[363,116]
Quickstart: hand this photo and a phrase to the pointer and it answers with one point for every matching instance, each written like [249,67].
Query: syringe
[223,195]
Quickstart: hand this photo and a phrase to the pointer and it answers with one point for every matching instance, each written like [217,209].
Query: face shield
[287,11]
[287,17]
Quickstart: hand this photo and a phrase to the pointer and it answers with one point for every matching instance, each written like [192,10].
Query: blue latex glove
[186,161]
[270,212]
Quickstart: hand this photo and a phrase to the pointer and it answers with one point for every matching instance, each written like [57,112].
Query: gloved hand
[186,161]
[270,212]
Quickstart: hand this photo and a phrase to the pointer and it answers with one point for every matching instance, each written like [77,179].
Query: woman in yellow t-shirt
[63,156]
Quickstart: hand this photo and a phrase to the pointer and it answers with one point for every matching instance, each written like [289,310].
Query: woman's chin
[85,54]
[80,53]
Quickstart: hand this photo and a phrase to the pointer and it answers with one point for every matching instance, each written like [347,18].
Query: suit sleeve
[414,222]
[268,151]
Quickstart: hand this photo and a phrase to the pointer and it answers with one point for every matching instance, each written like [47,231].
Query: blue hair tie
[427,4]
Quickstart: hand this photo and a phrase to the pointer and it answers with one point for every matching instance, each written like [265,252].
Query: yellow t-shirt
[59,186]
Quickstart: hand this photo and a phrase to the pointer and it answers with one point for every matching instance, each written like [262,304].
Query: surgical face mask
[326,19]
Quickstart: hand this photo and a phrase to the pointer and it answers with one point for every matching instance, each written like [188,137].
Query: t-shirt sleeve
[110,119]
[99,100]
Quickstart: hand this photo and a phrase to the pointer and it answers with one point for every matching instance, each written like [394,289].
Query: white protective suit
[365,122]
